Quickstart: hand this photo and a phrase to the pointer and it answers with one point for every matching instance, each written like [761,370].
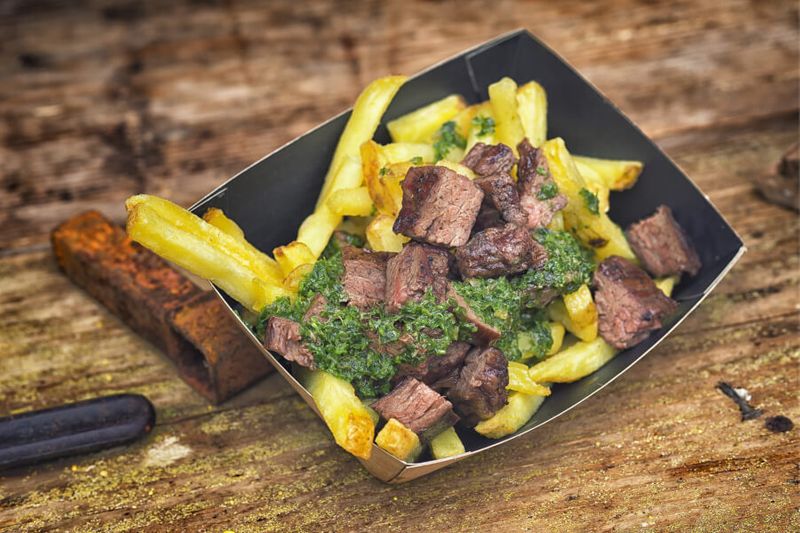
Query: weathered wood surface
[99,101]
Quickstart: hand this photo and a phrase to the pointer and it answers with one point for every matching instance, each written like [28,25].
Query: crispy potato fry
[382,178]
[405,152]
[292,282]
[317,228]
[617,175]
[667,284]
[520,381]
[292,255]
[457,168]
[351,202]
[217,218]
[364,120]
[573,363]
[594,230]
[200,255]
[446,444]
[421,124]
[558,312]
[532,109]
[380,236]
[399,441]
[557,332]
[464,119]
[355,226]
[595,184]
[345,415]
[580,307]
[484,110]
[508,128]
[512,416]
[557,224]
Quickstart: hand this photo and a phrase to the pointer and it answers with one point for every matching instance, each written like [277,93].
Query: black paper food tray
[271,198]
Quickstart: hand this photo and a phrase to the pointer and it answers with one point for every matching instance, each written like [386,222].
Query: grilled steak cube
[484,333]
[481,387]
[418,407]
[439,206]
[487,159]
[283,337]
[501,191]
[364,278]
[499,251]
[629,305]
[662,246]
[488,217]
[537,190]
[416,269]
[435,367]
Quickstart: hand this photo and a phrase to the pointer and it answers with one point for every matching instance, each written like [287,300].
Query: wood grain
[101,100]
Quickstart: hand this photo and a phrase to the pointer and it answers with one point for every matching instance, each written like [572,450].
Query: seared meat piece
[484,334]
[662,246]
[537,190]
[481,387]
[418,407]
[364,278]
[488,217]
[501,191]
[435,367]
[499,251]
[487,159]
[414,270]
[283,337]
[315,308]
[439,206]
[629,305]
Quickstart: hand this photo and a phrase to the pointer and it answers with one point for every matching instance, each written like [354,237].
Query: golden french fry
[617,175]
[557,223]
[343,412]
[580,307]
[558,312]
[532,109]
[667,284]
[520,381]
[355,226]
[292,282]
[405,152]
[446,444]
[351,202]
[458,168]
[595,184]
[317,228]
[364,120]
[595,230]
[508,128]
[382,178]
[512,416]
[382,238]
[464,119]
[474,134]
[421,124]
[573,363]
[200,256]
[292,255]
[557,332]
[399,441]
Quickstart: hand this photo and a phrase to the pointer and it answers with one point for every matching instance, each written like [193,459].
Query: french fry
[364,120]
[292,282]
[344,414]
[573,363]
[446,444]
[292,255]
[557,332]
[512,416]
[464,119]
[405,152]
[595,184]
[616,174]
[458,168]
[532,109]
[557,223]
[483,110]
[399,441]
[355,226]
[382,178]
[595,230]
[421,124]
[508,128]
[382,238]
[351,202]
[217,218]
[520,381]
[581,311]
[558,312]
[667,284]
[317,228]
[199,255]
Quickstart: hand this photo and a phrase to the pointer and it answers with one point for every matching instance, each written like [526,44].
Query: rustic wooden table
[99,101]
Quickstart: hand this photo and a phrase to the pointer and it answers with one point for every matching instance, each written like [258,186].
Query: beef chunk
[501,191]
[629,304]
[283,337]
[534,185]
[484,333]
[413,271]
[662,246]
[315,308]
[436,367]
[418,407]
[499,251]
[439,206]
[487,159]
[488,217]
[364,277]
[481,387]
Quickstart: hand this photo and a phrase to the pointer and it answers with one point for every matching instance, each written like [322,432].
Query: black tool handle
[75,428]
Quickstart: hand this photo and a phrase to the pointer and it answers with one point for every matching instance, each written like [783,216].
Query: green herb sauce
[485,125]
[447,138]
[569,265]
[547,191]
[591,201]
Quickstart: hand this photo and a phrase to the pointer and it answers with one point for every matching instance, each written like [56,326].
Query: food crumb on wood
[741,397]
[778,424]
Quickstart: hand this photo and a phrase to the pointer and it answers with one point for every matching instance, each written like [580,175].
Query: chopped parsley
[447,138]
[591,201]
[485,125]
[383,171]
[542,171]
[416,160]
[569,265]
[547,190]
